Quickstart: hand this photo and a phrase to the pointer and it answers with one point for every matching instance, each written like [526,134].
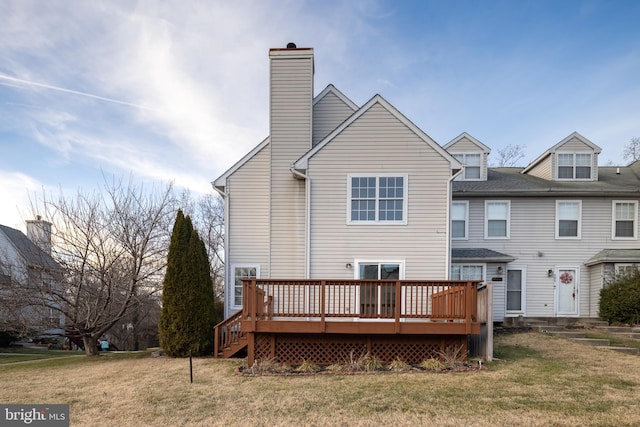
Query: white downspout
[307,225]
[448,228]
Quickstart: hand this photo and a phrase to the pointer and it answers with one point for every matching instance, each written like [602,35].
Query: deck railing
[366,299]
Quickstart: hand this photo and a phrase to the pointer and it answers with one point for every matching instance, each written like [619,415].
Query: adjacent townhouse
[550,235]
[339,199]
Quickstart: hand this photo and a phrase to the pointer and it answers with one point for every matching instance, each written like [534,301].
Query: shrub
[620,301]
[432,365]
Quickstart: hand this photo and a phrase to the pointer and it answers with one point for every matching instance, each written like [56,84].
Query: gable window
[497,215]
[574,165]
[568,219]
[377,199]
[471,162]
[459,220]
[242,272]
[624,219]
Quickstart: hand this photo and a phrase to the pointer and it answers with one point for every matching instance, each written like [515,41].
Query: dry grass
[540,381]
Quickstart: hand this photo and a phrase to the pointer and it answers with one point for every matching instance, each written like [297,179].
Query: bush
[620,301]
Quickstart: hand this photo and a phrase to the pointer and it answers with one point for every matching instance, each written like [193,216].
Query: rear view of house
[341,215]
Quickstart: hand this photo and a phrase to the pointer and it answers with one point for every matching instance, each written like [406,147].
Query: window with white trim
[625,224]
[242,272]
[460,220]
[574,165]
[472,166]
[380,199]
[497,219]
[467,272]
[378,299]
[568,219]
[626,268]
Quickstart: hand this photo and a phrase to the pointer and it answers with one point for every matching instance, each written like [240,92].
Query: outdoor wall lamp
[349,266]
[499,270]
[550,273]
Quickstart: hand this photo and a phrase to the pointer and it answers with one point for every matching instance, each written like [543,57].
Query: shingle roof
[479,254]
[511,182]
[614,255]
[32,254]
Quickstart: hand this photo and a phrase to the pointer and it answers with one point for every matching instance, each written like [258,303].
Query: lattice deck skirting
[325,349]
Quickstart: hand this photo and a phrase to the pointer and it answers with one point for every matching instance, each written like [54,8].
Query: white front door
[567,286]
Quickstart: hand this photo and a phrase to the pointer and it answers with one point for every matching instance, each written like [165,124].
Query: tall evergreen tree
[187,319]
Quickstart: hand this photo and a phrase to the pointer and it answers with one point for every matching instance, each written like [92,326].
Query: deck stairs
[230,341]
[578,331]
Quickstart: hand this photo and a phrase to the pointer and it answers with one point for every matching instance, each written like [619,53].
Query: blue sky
[178,91]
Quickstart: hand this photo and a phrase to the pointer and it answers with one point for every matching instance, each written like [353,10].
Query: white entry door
[567,287]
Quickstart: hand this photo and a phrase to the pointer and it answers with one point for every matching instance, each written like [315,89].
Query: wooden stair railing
[228,337]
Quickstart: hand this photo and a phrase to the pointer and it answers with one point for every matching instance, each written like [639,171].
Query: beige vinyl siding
[576,145]
[328,113]
[378,143]
[544,169]
[291,121]
[247,234]
[533,244]
[597,280]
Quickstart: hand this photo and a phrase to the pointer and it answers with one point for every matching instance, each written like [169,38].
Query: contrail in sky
[74,92]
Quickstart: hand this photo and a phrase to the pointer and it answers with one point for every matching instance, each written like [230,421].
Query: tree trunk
[90,345]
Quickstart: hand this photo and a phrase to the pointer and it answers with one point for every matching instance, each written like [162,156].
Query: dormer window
[574,165]
[471,162]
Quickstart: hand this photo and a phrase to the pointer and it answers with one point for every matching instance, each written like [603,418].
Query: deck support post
[398,305]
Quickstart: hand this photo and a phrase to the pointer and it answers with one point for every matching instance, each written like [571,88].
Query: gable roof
[332,89]
[220,182]
[553,149]
[302,162]
[30,252]
[464,135]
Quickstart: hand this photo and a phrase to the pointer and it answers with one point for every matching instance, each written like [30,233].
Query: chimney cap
[291,45]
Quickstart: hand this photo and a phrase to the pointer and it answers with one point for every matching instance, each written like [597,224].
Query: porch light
[349,266]
[499,270]
[550,273]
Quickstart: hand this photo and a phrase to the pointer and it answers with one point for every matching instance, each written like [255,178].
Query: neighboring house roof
[510,182]
[614,255]
[479,255]
[553,149]
[32,254]
[464,135]
[302,163]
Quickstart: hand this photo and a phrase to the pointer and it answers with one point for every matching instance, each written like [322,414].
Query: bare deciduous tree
[509,156]
[632,150]
[112,246]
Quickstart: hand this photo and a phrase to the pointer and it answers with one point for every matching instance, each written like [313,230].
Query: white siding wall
[328,113]
[291,125]
[534,245]
[378,143]
[247,231]
[543,170]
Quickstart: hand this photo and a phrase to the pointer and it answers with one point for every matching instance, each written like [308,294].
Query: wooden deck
[280,316]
